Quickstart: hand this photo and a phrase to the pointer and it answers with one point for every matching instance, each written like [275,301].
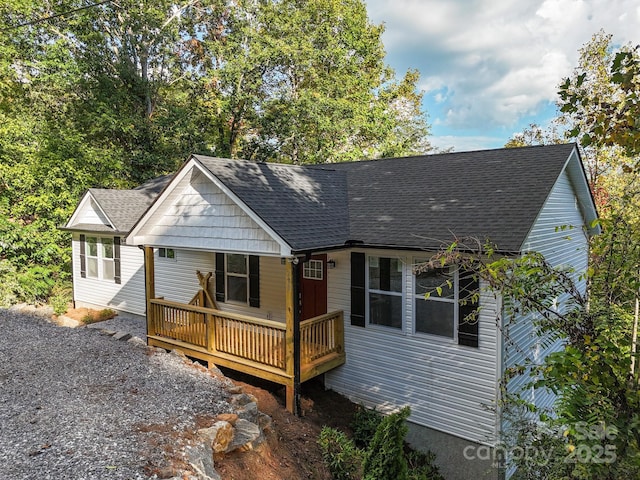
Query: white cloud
[461,143]
[488,64]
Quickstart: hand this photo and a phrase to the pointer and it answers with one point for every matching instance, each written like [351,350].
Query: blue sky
[489,68]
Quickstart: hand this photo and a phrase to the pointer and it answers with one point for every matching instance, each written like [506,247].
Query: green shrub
[106,314]
[385,458]
[9,287]
[60,298]
[340,454]
[422,466]
[364,425]
[35,284]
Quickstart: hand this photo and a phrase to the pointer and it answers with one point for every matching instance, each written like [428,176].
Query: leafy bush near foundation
[384,455]
[364,425]
[340,454]
[60,299]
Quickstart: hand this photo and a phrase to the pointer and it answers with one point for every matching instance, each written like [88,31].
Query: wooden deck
[258,347]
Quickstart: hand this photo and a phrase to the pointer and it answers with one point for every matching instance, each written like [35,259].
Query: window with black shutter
[117,276]
[83,257]
[468,296]
[238,278]
[446,304]
[358,297]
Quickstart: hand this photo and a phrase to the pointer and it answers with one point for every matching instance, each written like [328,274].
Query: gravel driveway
[77,404]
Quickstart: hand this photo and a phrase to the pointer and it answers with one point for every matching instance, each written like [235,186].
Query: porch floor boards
[308,369]
[240,364]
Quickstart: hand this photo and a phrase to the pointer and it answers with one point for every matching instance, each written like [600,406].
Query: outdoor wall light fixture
[331,264]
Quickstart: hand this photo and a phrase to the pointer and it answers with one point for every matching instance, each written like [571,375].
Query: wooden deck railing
[187,323]
[245,343]
[261,341]
[254,339]
[321,336]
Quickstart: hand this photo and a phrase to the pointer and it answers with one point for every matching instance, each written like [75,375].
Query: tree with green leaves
[305,82]
[602,96]
[595,432]
[113,94]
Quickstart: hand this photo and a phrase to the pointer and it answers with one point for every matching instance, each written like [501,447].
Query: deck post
[150,287]
[210,332]
[292,337]
[339,333]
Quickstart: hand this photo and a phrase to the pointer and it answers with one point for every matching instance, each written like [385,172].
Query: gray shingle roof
[306,206]
[425,201]
[123,207]
[415,202]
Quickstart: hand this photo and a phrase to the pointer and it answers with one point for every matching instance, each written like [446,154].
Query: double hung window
[168,253]
[446,304]
[237,276]
[385,291]
[100,257]
[436,314]
[108,268]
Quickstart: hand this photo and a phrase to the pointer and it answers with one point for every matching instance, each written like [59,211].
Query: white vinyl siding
[451,388]
[129,296]
[566,247]
[198,215]
[177,281]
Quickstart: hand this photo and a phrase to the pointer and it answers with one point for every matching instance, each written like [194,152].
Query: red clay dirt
[291,451]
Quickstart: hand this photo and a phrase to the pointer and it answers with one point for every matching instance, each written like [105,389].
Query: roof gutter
[359,244]
[103,232]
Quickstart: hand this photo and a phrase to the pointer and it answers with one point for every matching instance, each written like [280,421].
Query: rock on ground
[75,403]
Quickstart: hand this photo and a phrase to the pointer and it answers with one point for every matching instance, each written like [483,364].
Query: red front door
[313,287]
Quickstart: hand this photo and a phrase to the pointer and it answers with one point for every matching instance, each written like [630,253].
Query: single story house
[289,272]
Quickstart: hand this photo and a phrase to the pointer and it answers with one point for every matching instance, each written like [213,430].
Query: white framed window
[91,249]
[106,250]
[237,277]
[385,291]
[313,270]
[437,314]
[446,304]
[100,257]
[168,253]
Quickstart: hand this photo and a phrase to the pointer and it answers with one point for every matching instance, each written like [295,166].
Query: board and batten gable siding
[449,387]
[91,215]
[128,296]
[176,280]
[198,215]
[561,247]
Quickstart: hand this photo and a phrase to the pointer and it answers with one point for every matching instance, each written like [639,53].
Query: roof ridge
[330,166]
[315,166]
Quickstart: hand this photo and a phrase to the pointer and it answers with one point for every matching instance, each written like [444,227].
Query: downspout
[296,338]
